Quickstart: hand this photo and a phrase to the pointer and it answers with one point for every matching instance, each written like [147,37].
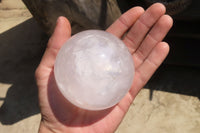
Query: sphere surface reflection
[94,70]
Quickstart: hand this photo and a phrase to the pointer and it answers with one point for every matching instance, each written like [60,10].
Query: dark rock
[87,14]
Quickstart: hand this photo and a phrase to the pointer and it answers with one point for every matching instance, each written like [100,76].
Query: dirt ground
[169,103]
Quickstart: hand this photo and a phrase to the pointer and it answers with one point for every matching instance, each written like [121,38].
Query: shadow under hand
[68,114]
[21,49]
[176,79]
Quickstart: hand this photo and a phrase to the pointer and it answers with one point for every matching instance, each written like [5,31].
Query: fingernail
[58,20]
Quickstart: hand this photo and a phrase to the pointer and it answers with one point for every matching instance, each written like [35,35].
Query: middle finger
[142,26]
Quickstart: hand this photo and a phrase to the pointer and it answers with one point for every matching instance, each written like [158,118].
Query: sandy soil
[169,103]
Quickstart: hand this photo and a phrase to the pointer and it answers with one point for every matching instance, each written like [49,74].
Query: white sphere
[94,70]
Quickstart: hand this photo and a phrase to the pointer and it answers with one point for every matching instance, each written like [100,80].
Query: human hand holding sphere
[146,29]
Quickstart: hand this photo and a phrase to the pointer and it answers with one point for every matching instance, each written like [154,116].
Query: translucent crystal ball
[94,70]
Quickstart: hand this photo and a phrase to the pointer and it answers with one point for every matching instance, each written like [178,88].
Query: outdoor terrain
[169,103]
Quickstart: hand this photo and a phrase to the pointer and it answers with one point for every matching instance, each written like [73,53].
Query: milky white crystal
[94,70]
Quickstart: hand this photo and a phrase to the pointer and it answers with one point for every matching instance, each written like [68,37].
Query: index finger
[125,21]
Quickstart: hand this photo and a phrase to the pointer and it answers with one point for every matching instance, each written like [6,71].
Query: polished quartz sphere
[94,70]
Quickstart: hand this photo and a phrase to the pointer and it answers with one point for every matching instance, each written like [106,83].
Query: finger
[156,35]
[61,33]
[149,66]
[125,21]
[141,27]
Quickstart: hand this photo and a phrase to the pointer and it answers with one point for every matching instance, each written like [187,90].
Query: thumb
[61,34]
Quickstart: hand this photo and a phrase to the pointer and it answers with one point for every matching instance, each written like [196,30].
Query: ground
[169,103]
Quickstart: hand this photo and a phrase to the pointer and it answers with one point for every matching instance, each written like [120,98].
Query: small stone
[94,70]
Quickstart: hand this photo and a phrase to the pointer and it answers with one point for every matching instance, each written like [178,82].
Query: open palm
[142,32]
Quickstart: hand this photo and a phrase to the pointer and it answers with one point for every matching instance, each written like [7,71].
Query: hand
[142,32]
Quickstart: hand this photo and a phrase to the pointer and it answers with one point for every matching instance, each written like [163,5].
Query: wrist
[44,129]
[48,128]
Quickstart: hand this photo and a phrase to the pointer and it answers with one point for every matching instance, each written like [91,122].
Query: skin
[142,32]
